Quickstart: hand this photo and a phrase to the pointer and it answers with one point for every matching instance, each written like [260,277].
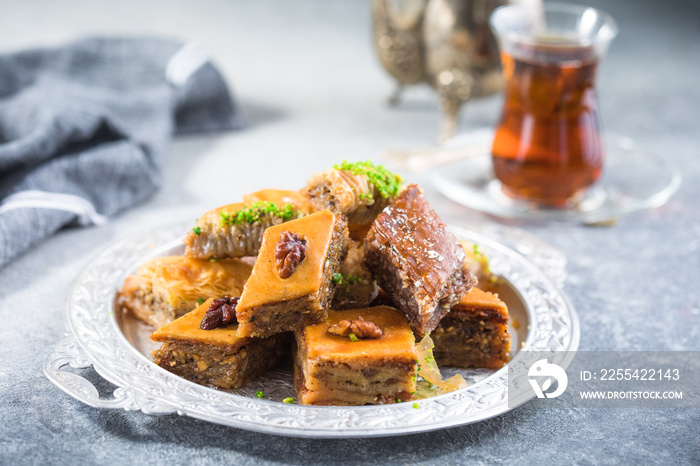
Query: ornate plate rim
[98,341]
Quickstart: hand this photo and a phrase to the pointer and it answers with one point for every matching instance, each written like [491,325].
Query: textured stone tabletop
[314,94]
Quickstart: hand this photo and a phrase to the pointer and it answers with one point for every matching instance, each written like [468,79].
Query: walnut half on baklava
[336,364]
[217,357]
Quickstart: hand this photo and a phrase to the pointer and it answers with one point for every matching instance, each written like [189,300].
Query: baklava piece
[356,357]
[357,190]
[417,260]
[291,285]
[165,288]
[474,333]
[235,230]
[217,357]
[356,287]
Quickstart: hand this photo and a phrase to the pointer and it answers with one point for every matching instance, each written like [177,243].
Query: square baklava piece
[217,357]
[356,357]
[474,333]
[417,260]
[165,288]
[291,285]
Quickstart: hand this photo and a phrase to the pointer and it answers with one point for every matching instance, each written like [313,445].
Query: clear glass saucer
[632,180]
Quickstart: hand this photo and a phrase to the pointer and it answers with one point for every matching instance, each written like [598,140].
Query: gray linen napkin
[83,129]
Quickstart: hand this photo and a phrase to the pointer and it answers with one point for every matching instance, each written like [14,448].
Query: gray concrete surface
[313,90]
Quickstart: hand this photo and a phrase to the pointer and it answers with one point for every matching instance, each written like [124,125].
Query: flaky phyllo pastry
[357,190]
[165,288]
[235,230]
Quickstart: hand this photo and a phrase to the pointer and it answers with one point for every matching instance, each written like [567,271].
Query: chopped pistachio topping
[353,337]
[386,183]
[200,301]
[416,406]
[347,279]
[197,230]
[398,400]
[213,259]
[256,211]
[288,400]
[259,394]
[476,249]
[366,197]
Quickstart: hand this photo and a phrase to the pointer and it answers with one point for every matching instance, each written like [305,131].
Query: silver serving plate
[119,349]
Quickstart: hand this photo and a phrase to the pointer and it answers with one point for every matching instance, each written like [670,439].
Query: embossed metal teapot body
[444,43]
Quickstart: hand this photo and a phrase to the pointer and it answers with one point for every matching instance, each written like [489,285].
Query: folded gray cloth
[83,129]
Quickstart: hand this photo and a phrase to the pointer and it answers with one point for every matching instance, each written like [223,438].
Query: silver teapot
[444,43]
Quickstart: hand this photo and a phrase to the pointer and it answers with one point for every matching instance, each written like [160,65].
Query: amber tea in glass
[548,147]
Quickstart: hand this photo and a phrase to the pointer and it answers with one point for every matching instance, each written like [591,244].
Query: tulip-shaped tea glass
[548,146]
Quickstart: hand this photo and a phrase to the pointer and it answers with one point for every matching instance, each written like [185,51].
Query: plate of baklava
[348,308]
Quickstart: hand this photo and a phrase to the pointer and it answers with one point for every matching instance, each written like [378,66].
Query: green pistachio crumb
[200,301]
[197,230]
[353,337]
[214,259]
[476,249]
[386,183]
[259,394]
[366,197]
[398,400]
[289,400]
[255,213]
[352,279]
[347,279]
[416,406]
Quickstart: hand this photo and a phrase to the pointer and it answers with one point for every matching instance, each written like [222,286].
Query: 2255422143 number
[639,374]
